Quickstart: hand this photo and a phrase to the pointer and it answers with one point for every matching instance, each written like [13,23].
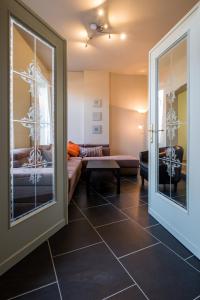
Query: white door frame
[184,224]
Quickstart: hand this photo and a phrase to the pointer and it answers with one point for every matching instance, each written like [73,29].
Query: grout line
[114,255]
[61,298]
[31,291]
[150,246]
[189,257]
[76,220]
[152,226]
[134,221]
[110,223]
[78,249]
[95,206]
[132,206]
[119,292]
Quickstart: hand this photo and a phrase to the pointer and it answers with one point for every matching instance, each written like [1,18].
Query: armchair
[164,177]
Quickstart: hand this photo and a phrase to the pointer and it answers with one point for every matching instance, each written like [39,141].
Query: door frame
[159,206]
[52,217]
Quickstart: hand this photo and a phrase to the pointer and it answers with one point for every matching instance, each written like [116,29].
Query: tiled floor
[111,249]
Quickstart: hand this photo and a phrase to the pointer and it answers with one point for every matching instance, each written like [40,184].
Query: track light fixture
[100,26]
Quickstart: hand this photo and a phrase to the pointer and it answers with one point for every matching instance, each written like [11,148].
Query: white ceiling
[144,21]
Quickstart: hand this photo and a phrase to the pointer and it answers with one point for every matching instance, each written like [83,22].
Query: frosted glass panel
[31,122]
[172,123]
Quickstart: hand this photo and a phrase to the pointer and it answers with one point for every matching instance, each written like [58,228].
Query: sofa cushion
[91,151]
[73,149]
[106,148]
[124,161]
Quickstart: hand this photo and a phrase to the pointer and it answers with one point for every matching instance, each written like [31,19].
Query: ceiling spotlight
[93,26]
[123,36]
[100,12]
[84,34]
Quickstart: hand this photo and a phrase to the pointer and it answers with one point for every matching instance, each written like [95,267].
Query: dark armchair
[164,177]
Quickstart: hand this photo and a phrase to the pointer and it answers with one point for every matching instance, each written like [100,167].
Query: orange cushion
[73,149]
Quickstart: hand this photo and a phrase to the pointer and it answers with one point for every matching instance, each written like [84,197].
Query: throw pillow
[73,149]
[91,151]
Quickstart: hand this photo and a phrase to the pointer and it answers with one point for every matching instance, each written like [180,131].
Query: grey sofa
[76,165]
[128,164]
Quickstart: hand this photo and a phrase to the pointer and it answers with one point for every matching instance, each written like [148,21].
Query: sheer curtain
[44,111]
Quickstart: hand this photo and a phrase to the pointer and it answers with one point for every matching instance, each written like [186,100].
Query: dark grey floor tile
[47,293]
[33,271]
[91,273]
[105,214]
[140,214]
[80,190]
[74,213]
[105,189]
[163,275]
[130,187]
[167,238]
[73,236]
[145,199]
[125,237]
[89,200]
[132,293]
[195,262]
[125,200]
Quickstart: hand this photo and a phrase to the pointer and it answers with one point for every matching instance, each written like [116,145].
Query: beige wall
[96,86]
[122,96]
[128,96]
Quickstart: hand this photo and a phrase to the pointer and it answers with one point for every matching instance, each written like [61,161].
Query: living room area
[106,121]
[99,167]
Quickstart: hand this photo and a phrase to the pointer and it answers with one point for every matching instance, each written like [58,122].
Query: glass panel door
[172,123]
[31,122]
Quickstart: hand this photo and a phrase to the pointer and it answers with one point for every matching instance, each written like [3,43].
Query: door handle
[151,130]
[151,134]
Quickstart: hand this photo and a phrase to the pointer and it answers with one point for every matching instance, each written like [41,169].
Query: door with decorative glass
[174,134]
[33,179]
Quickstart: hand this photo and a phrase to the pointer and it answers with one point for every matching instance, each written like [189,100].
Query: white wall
[76,107]
[128,96]
[96,86]
[122,96]
[83,89]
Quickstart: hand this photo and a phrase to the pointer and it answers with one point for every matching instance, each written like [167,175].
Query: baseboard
[20,254]
[183,240]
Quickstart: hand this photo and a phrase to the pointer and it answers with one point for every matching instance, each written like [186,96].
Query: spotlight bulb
[101,12]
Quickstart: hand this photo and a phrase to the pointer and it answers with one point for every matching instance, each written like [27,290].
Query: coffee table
[100,166]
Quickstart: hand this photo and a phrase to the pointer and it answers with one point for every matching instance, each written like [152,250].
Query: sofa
[32,187]
[164,177]
[24,198]
[76,165]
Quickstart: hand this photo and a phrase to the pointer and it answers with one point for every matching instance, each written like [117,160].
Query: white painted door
[32,133]
[174,123]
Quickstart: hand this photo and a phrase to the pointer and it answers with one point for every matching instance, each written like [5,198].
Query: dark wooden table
[100,166]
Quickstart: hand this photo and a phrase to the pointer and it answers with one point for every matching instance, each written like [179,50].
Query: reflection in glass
[31,122]
[172,123]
